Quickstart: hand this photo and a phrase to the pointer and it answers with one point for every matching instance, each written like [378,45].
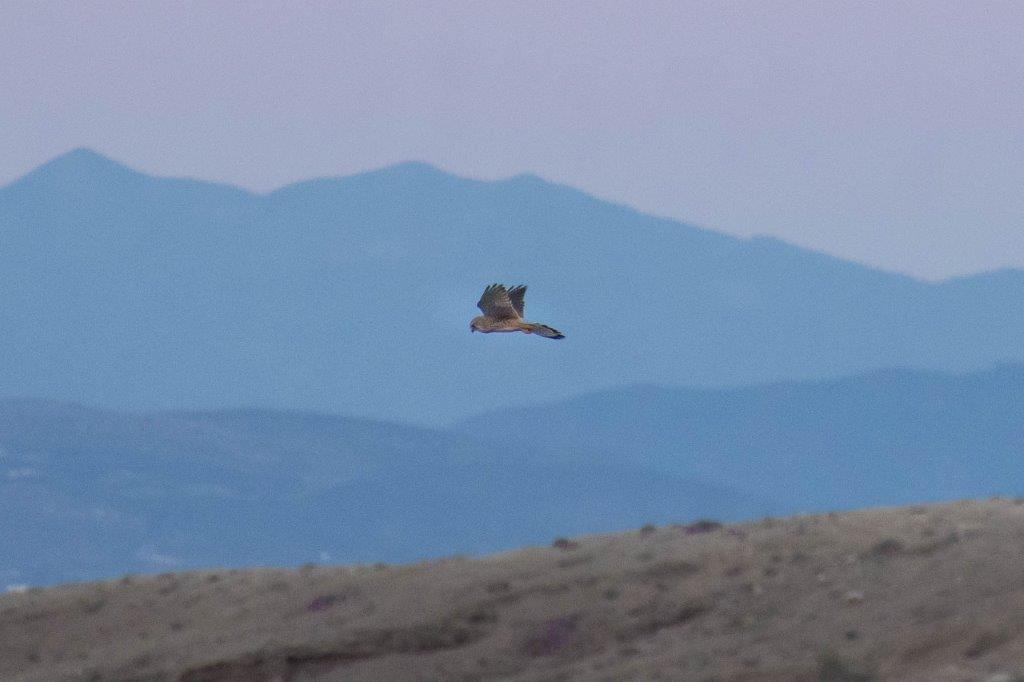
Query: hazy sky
[890,133]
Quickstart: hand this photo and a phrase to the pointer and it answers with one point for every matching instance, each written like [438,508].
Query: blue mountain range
[353,295]
[882,438]
[702,375]
[87,493]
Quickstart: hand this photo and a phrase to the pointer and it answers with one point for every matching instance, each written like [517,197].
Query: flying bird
[503,312]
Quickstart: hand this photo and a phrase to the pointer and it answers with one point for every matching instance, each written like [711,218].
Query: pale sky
[891,133]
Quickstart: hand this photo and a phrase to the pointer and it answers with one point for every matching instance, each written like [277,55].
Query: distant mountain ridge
[887,437]
[353,295]
[88,493]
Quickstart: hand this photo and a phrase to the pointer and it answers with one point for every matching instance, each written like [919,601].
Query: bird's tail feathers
[542,330]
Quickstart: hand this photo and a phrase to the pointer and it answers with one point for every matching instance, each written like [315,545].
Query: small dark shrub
[889,547]
[565,544]
[833,668]
[984,642]
[701,526]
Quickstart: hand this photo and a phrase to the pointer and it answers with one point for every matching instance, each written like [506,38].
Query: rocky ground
[926,593]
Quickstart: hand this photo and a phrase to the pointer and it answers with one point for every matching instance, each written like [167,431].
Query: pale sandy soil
[928,593]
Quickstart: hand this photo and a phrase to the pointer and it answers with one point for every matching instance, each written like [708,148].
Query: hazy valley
[90,493]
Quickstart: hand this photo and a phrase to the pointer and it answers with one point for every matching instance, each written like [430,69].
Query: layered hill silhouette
[887,437]
[353,295]
[88,493]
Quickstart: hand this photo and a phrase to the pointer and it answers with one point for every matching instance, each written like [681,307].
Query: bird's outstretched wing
[496,303]
[516,294]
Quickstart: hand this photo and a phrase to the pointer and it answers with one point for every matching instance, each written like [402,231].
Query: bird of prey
[503,312]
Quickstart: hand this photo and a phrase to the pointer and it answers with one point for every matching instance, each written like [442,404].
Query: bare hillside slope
[922,593]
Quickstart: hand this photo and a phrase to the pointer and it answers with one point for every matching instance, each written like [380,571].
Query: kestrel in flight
[503,312]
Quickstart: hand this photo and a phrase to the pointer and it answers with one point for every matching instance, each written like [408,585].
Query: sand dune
[932,592]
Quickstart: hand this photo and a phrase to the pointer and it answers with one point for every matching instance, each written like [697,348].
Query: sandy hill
[920,593]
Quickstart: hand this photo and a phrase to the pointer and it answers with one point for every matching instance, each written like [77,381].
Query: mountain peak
[83,158]
[405,173]
[79,165]
[415,167]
